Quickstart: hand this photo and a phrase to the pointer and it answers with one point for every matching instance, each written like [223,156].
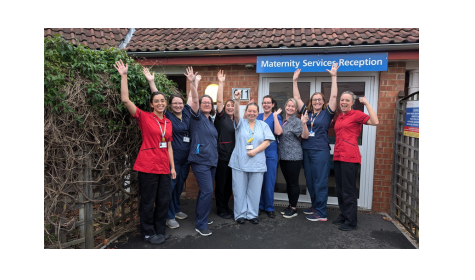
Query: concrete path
[279,233]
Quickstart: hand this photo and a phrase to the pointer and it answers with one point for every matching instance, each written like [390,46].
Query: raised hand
[221,76]
[276,113]
[251,101]
[237,95]
[304,117]
[119,65]
[148,76]
[198,77]
[189,74]
[296,75]
[363,100]
[335,67]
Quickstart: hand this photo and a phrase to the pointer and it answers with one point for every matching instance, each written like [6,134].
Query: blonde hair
[295,104]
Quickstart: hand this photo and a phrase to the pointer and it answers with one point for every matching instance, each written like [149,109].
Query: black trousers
[154,191]
[345,180]
[224,186]
[291,171]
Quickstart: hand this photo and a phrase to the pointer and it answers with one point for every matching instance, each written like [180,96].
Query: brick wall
[390,83]
[236,77]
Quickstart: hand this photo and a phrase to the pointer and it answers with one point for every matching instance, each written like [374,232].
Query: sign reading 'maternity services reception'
[321,62]
[411,125]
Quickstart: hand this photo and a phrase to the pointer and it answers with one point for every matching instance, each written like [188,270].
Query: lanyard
[312,120]
[163,134]
[251,133]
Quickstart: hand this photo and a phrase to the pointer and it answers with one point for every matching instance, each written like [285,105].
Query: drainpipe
[127,38]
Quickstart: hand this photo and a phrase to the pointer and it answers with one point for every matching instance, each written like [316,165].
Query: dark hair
[229,100]
[170,99]
[213,111]
[272,101]
[156,93]
[310,106]
[252,104]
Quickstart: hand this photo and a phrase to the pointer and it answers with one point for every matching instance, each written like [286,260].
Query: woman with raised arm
[203,154]
[248,161]
[154,162]
[179,114]
[274,121]
[224,125]
[347,157]
[290,154]
[316,148]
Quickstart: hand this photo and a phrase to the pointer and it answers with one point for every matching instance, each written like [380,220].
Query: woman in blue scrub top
[181,147]
[203,155]
[274,121]
[316,149]
[248,161]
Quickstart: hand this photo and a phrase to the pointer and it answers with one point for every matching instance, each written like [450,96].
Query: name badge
[249,147]
[186,139]
[311,134]
[163,144]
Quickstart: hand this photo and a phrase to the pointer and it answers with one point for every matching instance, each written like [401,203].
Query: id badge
[186,139]
[311,134]
[163,144]
[249,147]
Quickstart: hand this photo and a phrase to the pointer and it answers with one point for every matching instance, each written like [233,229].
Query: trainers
[225,215]
[172,223]
[316,218]
[346,227]
[338,221]
[181,215]
[290,213]
[155,239]
[204,232]
[309,211]
[285,210]
[210,222]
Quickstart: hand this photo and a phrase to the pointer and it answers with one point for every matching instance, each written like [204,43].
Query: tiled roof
[170,39]
[94,38]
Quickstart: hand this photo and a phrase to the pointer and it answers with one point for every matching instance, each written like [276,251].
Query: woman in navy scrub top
[154,162]
[203,154]
[274,121]
[179,114]
[316,149]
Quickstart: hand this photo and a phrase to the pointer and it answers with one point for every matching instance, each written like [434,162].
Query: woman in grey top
[291,154]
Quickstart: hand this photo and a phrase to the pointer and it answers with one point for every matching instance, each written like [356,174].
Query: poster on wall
[411,125]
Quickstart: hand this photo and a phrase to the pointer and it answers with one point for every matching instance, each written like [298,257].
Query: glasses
[206,103]
[175,103]
[318,99]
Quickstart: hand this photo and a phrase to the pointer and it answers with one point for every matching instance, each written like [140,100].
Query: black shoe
[254,220]
[338,221]
[155,239]
[241,220]
[290,213]
[204,232]
[283,211]
[225,215]
[346,227]
[271,214]
[262,211]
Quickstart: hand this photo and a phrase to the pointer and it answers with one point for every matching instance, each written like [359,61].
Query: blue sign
[321,62]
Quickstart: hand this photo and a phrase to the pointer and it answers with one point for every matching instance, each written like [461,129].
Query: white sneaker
[181,215]
[172,223]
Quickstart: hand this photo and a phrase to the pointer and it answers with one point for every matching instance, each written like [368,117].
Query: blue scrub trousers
[267,193]
[246,191]
[176,188]
[205,178]
[316,164]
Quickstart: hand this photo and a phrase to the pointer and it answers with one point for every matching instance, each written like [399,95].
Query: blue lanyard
[251,133]
[313,120]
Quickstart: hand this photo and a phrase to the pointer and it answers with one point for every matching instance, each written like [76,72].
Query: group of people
[241,154]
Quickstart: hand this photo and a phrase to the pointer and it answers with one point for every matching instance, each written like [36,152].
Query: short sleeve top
[152,158]
[204,140]
[319,124]
[289,141]
[181,129]
[239,158]
[347,130]
[226,139]
[271,151]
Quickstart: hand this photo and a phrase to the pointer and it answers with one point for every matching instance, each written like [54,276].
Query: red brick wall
[390,83]
[236,77]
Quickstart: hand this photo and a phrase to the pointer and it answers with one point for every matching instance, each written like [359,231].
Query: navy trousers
[267,193]
[316,164]
[345,179]
[176,188]
[205,178]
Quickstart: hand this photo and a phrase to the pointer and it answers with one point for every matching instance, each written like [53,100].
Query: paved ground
[279,233]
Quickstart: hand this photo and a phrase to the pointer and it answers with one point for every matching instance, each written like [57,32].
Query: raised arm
[296,89]
[334,90]
[151,79]
[237,98]
[277,127]
[219,98]
[195,106]
[189,99]
[124,88]
[373,118]
[304,119]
